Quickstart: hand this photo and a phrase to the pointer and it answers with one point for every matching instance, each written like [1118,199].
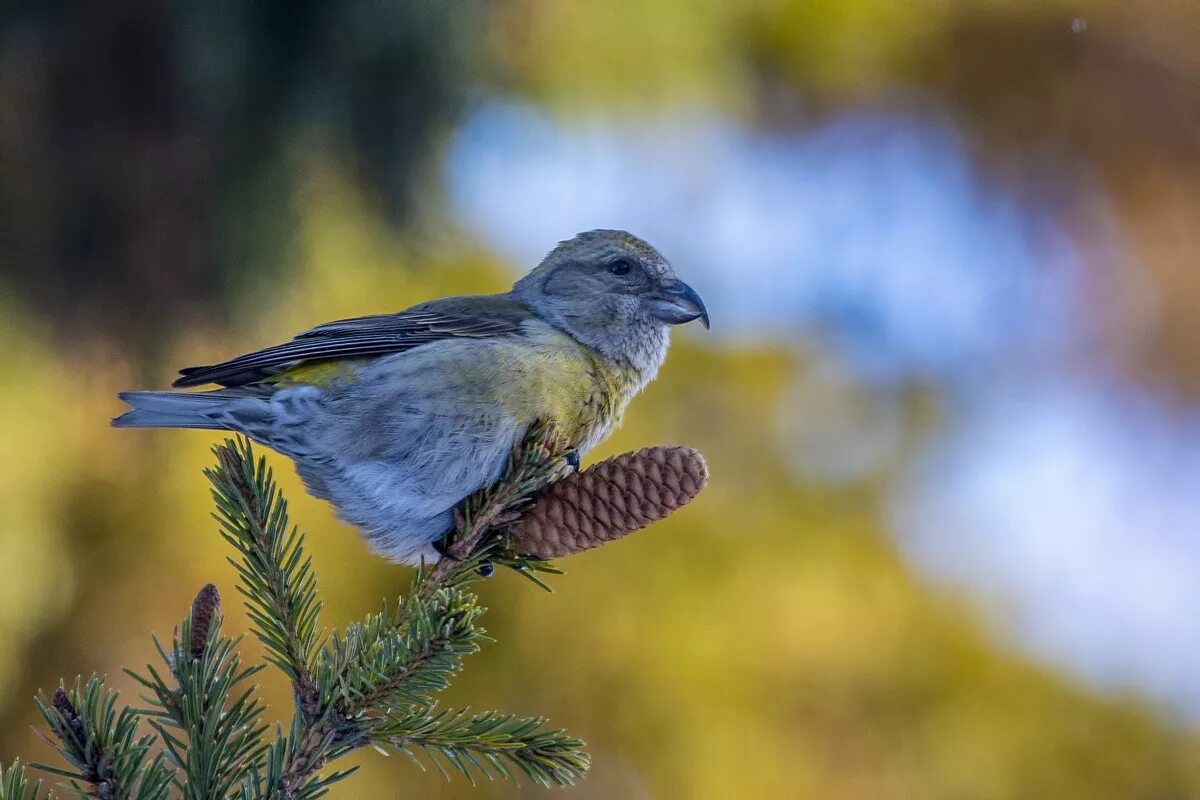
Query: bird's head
[613,292]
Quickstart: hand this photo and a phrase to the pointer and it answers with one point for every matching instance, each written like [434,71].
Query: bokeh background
[951,399]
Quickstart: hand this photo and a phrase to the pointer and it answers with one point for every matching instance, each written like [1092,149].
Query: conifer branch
[110,761]
[15,786]
[488,744]
[207,704]
[406,655]
[400,656]
[277,578]
[287,772]
[377,683]
[280,588]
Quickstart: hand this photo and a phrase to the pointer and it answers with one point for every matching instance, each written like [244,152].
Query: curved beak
[674,302]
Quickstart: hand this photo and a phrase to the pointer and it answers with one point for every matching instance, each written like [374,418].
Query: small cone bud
[609,500]
[68,712]
[63,703]
[206,608]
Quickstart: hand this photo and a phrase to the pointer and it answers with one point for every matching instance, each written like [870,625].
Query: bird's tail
[173,410]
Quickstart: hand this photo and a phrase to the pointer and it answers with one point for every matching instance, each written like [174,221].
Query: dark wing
[453,317]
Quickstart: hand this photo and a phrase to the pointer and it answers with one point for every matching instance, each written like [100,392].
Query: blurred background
[950,401]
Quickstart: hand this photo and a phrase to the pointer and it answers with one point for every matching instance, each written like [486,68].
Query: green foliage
[101,743]
[488,744]
[376,684]
[403,655]
[15,786]
[277,579]
[292,761]
[207,717]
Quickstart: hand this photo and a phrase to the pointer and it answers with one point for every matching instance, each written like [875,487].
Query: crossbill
[396,418]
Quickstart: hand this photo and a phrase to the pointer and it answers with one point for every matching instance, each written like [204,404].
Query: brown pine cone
[206,610]
[609,500]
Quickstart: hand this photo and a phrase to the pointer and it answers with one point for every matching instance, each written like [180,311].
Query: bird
[396,418]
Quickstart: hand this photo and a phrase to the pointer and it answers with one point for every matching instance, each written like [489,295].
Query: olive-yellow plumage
[395,418]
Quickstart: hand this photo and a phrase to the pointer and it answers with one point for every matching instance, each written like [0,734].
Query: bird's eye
[620,267]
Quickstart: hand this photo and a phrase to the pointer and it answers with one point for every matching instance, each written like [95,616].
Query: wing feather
[378,334]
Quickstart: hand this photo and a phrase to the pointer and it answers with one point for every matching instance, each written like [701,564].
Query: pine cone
[609,500]
[206,609]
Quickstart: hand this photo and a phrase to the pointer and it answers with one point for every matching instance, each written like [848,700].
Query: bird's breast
[578,391]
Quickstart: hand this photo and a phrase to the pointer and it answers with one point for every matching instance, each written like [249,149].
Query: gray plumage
[396,418]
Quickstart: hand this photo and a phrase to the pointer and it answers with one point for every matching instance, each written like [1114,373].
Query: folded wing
[379,334]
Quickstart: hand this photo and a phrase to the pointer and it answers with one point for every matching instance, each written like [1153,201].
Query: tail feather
[173,410]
